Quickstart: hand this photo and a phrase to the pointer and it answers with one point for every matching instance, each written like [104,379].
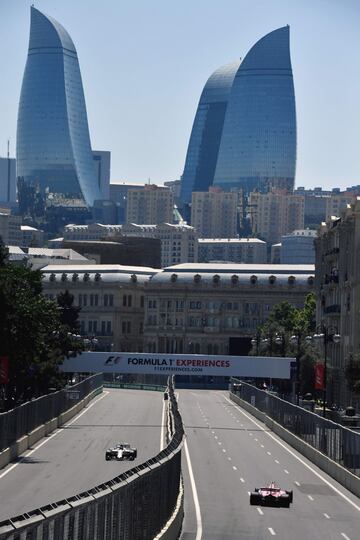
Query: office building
[244,132]
[214,214]
[274,214]
[53,156]
[10,228]
[102,160]
[217,308]
[111,298]
[298,247]
[152,205]
[179,241]
[202,153]
[235,250]
[7,180]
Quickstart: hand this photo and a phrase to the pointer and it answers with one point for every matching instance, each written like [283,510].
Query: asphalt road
[227,454]
[72,459]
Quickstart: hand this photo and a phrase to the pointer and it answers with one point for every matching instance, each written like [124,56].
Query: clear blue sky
[144,64]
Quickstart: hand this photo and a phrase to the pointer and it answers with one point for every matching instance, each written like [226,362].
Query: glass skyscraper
[53,143]
[206,133]
[257,146]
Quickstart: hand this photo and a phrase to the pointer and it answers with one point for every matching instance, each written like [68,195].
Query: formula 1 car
[121,452]
[271,495]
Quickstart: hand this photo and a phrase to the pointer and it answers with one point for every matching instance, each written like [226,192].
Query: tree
[285,321]
[352,373]
[4,253]
[69,314]
[32,334]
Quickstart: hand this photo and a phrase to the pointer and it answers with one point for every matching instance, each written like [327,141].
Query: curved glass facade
[206,132]
[258,144]
[53,142]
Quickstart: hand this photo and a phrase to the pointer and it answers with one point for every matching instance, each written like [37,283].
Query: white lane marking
[235,468]
[243,481]
[268,453]
[27,454]
[249,493]
[286,471]
[223,450]
[219,443]
[162,434]
[195,495]
[297,483]
[260,511]
[229,458]
[262,446]
[271,531]
[311,498]
[345,536]
[213,432]
[256,440]
[277,461]
[250,434]
[216,437]
[298,458]
[327,516]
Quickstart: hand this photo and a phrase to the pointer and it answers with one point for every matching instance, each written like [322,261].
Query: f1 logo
[112,360]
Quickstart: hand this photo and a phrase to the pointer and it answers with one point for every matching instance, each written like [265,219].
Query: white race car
[121,452]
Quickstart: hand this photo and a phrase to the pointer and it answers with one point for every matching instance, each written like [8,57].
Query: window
[85,300]
[127,300]
[152,304]
[111,299]
[126,327]
[141,301]
[106,299]
[108,327]
[80,300]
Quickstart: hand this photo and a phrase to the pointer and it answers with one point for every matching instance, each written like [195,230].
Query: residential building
[7,179]
[111,298]
[151,205]
[214,214]
[179,241]
[235,250]
[338,202]
[275,253]
[298,247]
[53,155]
[338,292]
[275,213]
[244,132]
[119,195]
[217,308]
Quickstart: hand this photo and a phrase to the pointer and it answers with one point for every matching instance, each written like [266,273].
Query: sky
[144,64]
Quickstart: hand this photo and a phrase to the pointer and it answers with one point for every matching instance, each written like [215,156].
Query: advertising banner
[179,364]
[319,376]
[4,369]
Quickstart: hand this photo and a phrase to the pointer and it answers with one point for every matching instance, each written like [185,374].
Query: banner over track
[180,364]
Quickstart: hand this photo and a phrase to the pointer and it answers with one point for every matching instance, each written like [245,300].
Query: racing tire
[254,498]
[285,501]
[107,458]
[290,493]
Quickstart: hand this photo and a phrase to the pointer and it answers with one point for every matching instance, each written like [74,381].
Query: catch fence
[337,442]
[22,420]
[133,506]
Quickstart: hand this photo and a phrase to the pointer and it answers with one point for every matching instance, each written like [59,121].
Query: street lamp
[326,334]
[296,340]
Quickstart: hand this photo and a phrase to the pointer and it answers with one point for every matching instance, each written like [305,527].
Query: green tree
[352,373]
[69,314]
[32,334]
[285,321]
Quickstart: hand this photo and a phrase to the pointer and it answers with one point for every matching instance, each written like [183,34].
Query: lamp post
[296,340]
[326,334]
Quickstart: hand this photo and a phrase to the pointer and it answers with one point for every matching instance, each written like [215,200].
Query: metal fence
[20,421]
[339,443]
[133,506]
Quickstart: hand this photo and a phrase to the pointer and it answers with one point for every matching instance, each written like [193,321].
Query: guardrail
[24,419]
[135,505]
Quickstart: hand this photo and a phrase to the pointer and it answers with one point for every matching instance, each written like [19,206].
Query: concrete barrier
[340,474]
[26,442]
